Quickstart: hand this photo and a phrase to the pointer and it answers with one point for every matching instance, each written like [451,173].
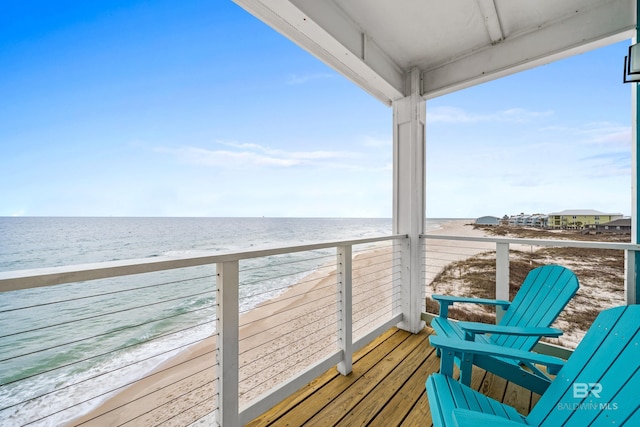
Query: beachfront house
[488,220]
[578,219]
[373,371]
[618,226]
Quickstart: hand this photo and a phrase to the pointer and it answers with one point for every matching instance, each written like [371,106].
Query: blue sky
[174,108]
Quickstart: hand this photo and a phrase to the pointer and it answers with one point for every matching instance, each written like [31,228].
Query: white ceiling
[454,43]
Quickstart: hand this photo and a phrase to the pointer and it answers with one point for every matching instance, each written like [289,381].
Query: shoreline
[284,322]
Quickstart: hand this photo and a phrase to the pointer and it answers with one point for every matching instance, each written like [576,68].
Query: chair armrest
[552,363]
[466,417]
[447,300]
[472,328]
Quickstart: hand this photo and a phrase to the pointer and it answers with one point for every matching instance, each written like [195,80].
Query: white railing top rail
[33,278]
[540,242]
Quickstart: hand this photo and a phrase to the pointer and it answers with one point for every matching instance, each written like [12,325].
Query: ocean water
[60,344]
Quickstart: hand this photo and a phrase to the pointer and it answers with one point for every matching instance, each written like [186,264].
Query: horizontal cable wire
[291,297]
[367,323]
[166,403]
[295,261]
[104,354]
[330,315]
[244,338]
[295,273]
[278,349]
[288,357]
[365,254]
[269,291]
[101,374]
[369,273]
[106,314]
[368,287]
[115,331]
[131,383]
[185,410]
[106,294]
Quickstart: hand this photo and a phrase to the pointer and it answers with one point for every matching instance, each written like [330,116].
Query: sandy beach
[278,337]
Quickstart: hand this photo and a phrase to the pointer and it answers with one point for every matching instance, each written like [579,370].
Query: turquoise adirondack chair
[597,386]
[543,295]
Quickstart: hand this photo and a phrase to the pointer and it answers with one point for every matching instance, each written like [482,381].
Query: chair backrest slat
[601,380]
[543,295]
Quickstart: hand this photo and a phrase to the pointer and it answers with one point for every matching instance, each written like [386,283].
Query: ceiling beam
[322,29]
[555,40]
[491,20]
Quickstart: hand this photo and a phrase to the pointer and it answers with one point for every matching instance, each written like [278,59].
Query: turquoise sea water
[43,345]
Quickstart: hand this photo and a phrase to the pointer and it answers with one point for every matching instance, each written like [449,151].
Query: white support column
[502,276]
[345,305]
[409,118]
[228,337]
[632,284]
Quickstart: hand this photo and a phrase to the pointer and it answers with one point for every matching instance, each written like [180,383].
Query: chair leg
[466,369]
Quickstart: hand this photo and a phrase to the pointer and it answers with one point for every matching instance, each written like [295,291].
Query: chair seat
[447,394]
[597,386]
[542,296]
[450,329]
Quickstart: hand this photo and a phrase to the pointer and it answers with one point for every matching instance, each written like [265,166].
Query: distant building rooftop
[582,212]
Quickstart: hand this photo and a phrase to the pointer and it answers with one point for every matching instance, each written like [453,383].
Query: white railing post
[228,347]
[502,276]
[630,287]
[345,307]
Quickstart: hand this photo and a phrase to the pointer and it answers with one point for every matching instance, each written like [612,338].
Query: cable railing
[70,348]
[177,341]
[494,267]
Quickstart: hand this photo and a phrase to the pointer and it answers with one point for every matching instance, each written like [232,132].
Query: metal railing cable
[102,374]
[177,398]
[281,300]
[144,329]
[296,261]
[288,286]
[126,347]
[278,325]
[288,367]
[104,314]
[123,386]
[121,291]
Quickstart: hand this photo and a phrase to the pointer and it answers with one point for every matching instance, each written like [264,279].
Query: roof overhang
[454,44]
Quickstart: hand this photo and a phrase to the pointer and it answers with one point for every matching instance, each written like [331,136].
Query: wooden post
[228,347]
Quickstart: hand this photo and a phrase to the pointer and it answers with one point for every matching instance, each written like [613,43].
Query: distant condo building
[580,219]
[572,219]
[524,220]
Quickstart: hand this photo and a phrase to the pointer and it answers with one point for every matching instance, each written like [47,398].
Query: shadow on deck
[385,388]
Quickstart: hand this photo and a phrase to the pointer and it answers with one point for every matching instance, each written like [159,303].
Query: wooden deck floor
[386,388]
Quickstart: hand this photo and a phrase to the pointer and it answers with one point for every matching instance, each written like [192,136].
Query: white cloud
[458,115]
[295,79]
[235,155]
[596,133]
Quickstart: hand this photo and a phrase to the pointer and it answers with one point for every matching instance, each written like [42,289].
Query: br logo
[582,390]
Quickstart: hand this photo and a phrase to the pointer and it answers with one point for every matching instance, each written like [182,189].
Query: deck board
[385,388]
